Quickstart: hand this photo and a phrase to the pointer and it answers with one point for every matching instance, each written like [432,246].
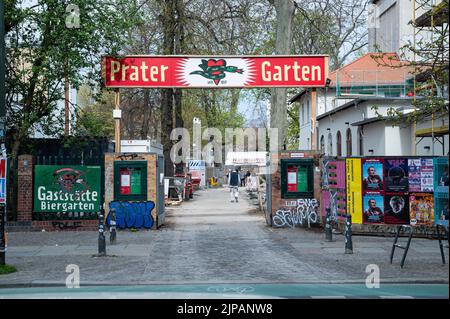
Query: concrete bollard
[348,235]
[328,229]
[112,226]
[101,235]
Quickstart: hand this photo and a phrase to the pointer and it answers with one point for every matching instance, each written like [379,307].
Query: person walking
[233,182]
[242,178]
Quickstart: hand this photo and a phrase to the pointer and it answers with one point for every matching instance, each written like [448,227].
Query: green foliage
[94,116]
[293,128]
[7,269]
[42,51]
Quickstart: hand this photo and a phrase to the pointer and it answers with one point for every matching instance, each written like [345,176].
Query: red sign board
[215,72]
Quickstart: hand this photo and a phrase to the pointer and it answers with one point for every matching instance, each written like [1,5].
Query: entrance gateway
[214,72]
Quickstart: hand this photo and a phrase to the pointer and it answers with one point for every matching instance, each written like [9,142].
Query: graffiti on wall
[305,212]
[132,214]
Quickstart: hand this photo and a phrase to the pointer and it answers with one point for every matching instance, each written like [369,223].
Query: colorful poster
[441,211]
[68,188]
[414,175]
[373,175]
[426,175]
[421,209]
[353,189]
[440,174]
[396,175]
[396,209]
[373,208]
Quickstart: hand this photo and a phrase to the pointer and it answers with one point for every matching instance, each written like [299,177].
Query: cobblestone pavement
[211,240]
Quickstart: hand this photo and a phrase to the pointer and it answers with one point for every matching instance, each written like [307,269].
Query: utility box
[141,146]
[134,187]
[294,188]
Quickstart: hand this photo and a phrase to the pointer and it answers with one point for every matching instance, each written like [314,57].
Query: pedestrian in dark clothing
[233,182]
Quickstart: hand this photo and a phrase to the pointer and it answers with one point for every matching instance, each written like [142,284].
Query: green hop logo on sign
[215,70]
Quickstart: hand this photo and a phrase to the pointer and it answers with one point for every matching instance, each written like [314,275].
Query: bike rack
[406,248]
[441,246]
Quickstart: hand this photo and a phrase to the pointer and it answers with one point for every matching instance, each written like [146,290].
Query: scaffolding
[430,56]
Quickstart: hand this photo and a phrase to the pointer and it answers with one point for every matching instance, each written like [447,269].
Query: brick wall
[65,225]
[25,188]
[152,179]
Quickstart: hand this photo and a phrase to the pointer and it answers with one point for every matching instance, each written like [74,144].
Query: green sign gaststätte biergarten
[66,188]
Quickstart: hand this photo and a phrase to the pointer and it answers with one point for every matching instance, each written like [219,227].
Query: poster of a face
[421,208]
[396,209]
[373,175]
[373,208]
[396,175]
[414,166]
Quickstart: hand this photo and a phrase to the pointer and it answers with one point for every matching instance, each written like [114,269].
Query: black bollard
[101,235]
[112,226]
[328,229]
[348,235]
[2,235]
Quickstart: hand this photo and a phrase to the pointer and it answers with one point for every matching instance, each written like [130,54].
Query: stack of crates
[441,181]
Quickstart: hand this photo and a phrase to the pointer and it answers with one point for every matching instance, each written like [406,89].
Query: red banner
[215,72]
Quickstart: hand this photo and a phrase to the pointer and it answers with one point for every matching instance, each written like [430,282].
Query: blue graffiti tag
[132,214]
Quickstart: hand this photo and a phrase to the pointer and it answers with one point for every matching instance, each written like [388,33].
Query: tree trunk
[278,114]
[179,49]
[168,22]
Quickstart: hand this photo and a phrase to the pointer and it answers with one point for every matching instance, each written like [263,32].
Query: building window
[349,142]
[360,140]
[322,144]
[330,145]
[338,144]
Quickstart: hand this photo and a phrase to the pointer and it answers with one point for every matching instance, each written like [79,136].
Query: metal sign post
[101,235]
[2,235]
